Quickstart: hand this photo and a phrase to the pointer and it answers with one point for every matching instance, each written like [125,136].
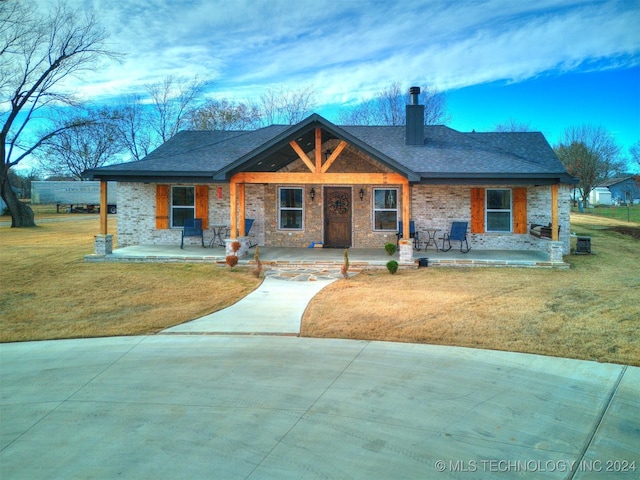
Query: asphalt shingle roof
[446,153]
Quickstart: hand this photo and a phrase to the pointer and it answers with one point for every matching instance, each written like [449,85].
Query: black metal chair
[458,233]
[412,234]
[192,228]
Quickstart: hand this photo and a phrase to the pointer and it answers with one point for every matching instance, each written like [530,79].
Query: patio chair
[248,223]
[412,234]
[192,228]
[458,233]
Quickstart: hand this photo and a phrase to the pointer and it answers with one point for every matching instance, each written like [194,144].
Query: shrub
[235,246]
[231,260]
[390,248]
[345,266]
[392,266]
[258,269]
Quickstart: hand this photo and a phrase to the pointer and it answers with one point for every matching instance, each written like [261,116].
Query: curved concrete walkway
[275,307]
[273,407]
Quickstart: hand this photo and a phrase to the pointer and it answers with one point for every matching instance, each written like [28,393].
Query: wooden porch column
[554,213]
[233,225]
[241,198]
[103,207]
[406,210]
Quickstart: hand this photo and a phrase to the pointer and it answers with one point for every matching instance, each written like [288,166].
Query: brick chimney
[414,119]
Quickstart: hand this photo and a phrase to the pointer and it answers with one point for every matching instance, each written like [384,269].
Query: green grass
[623,213]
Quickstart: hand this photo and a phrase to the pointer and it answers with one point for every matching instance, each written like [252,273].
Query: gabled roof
[447,156]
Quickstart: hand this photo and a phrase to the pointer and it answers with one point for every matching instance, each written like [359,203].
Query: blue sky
[548,63]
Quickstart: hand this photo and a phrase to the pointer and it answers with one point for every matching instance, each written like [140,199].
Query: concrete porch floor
[358,257]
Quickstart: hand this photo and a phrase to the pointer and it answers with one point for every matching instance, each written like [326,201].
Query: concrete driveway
[262,407]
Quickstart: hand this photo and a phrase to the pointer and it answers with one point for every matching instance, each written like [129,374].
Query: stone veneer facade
[432,206]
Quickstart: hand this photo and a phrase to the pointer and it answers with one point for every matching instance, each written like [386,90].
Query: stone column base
[555,250]
[103,244]
[406,250]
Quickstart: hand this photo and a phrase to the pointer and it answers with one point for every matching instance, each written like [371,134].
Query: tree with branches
[225,115]
[387,107]
[37,53]
[144,125]
[590,154]
[92,144]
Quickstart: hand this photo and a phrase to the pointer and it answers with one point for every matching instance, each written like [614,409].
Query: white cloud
[352,48]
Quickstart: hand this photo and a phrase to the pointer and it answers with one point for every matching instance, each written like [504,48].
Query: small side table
[218,235]
[431,238]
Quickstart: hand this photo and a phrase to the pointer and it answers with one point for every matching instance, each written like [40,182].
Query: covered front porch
[359,258]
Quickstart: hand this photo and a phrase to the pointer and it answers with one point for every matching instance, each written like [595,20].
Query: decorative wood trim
[520,210]
[332,158]
[202,204]
[318,150]
[320,178]
[303,156]
[477,210]
[162,207]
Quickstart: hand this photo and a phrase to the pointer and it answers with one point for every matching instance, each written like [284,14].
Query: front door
[337,217]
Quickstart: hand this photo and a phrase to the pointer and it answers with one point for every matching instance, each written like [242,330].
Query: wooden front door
[337,217]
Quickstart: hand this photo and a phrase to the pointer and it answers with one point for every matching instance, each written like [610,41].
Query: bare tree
[134,131]
[92,144]
[590,154]
[634,151]
[224,115]
[388,108]
[144,126]
[37,52]
[173,100]
[286,106]
[512,125]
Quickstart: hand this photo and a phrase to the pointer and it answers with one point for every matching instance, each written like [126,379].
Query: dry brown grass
[48,291]
[591,311]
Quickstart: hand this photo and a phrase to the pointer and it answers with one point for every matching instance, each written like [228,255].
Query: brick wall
[433,206]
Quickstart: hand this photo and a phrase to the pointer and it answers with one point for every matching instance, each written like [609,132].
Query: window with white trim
[183,205]
[498,210]
[385,209]
[290,208]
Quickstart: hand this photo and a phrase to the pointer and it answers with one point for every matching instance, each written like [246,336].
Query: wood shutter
[162,207]
[519,210]
[202,204]
[477,210]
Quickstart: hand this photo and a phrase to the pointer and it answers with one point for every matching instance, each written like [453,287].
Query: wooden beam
[233,225]
[241,199]
[103,207]
[317,178]
[554,213]
[406,210]
[336,153]
[318,150]
[303,156]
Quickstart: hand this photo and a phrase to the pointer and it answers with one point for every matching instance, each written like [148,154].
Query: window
[182,205]
[385,209]
[498,210]
[290,209]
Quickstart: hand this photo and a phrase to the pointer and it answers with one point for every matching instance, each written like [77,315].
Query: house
[345,186]
[623,190]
